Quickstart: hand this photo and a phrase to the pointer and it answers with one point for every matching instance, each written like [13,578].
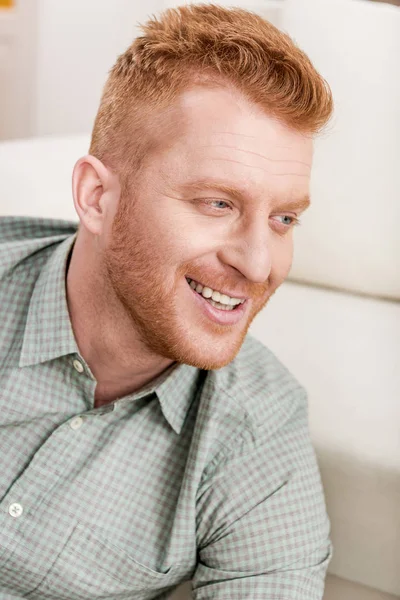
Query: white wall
[17,69]
[269,9]
[55,56]
[78,41]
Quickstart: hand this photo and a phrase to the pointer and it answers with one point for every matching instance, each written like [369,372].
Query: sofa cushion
[350,238]
[36,176]
[345,350]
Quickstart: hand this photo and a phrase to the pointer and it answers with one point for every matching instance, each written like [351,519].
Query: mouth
[219,307]
[216,298]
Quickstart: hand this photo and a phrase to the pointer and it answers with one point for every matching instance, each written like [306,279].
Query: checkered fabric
[202,475]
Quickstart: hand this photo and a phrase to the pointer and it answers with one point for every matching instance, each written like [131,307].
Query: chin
[206,363]
[211,356]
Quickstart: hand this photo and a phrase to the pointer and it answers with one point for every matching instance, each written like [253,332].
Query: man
[146,440]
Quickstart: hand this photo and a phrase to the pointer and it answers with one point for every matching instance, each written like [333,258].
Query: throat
[108,393]
[103,396]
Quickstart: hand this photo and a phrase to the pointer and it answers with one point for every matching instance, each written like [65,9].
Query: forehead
[221,135]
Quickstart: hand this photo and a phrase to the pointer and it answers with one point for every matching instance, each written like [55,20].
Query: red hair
[203,45]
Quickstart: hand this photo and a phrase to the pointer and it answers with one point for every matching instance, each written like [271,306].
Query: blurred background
[336,322]
[55,54]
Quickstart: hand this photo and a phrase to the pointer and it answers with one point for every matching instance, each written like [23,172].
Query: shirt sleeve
[263,530]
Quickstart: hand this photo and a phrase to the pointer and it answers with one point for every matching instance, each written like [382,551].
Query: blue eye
[292,220]
[214,206]
[219,202]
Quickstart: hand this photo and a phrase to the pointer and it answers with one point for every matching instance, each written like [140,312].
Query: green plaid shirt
[202,475]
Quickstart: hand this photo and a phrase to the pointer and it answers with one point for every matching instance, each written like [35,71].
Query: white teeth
[214,296]
[220,306]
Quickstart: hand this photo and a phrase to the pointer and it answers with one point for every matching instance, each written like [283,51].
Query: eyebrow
[300,205]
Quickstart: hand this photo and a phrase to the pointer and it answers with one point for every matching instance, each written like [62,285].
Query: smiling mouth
[215,298]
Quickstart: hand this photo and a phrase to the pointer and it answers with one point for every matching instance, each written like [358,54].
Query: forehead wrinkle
[301,162]
[260,168]
[253,137]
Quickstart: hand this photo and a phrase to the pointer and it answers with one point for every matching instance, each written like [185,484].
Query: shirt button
[76,423]
[15,510]
[78,366]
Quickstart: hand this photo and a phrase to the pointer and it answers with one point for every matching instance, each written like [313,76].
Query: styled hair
[205,45]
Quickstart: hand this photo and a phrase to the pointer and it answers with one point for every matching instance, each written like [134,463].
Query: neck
[105,333]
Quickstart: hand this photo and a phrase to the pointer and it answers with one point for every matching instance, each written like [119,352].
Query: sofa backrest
[350,237]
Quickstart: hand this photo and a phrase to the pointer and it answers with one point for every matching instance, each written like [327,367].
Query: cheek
[175,243]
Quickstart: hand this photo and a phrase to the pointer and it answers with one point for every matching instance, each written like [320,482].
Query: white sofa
[344,348]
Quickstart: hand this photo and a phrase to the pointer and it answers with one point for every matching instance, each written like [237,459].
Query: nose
[249,251]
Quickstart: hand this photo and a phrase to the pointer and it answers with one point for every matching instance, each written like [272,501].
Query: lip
[226,292]
[222,317]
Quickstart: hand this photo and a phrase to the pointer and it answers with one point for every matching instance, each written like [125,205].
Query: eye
[215,205]
[221,204]
[289,220]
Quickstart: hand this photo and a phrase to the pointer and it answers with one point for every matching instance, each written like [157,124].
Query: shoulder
[261,387]
[22,239]
[26,246]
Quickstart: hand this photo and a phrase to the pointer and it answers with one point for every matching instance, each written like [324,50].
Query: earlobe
[89,182]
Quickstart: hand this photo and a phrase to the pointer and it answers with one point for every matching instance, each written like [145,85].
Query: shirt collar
[48,332]
[49,335]
[175,388]
[177,391]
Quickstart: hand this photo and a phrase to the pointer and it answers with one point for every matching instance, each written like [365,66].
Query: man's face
[182,226]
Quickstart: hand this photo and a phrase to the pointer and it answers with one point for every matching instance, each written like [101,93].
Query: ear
[95,188]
